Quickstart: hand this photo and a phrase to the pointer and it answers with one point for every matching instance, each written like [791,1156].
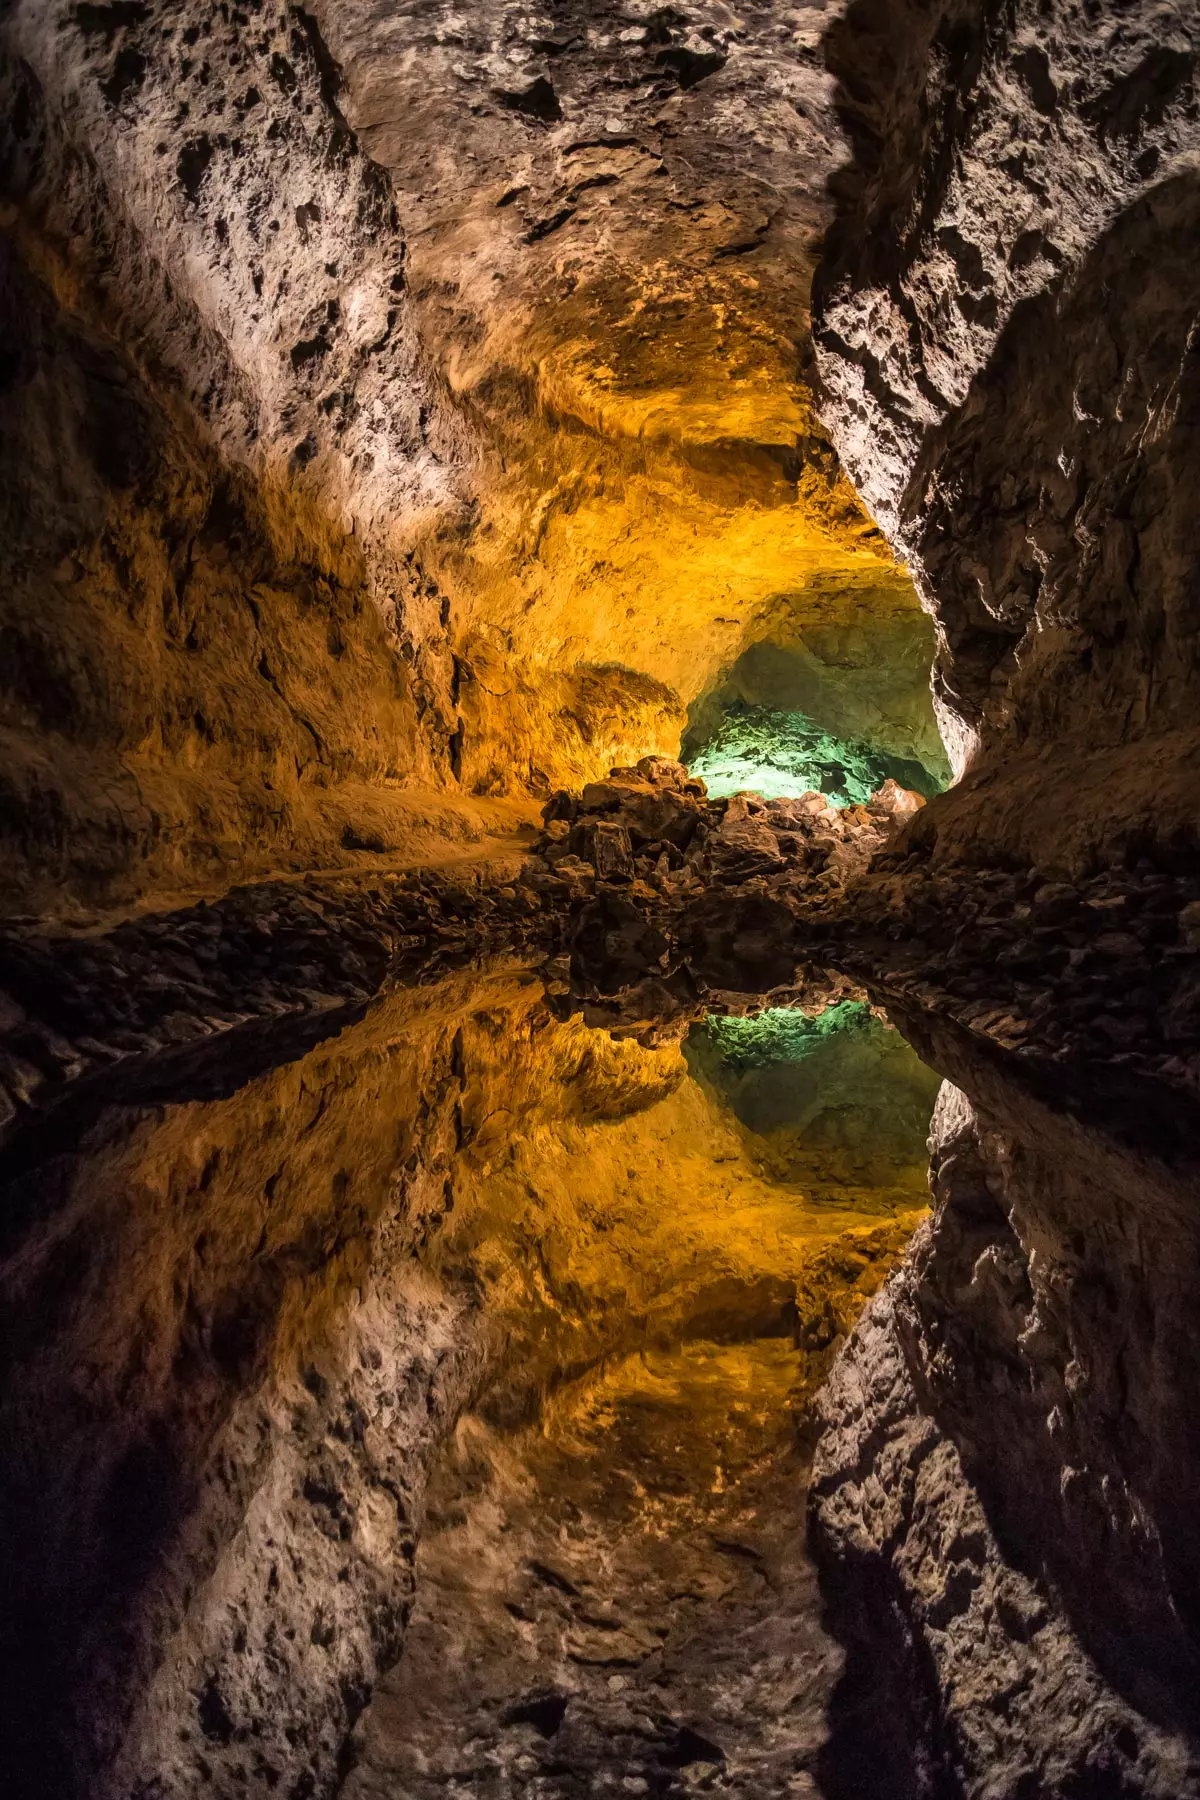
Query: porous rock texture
[1000,1533]
[1006,324]
[623,1588]
[614,217]
[241,1326]
[410,412]
[393,431]
[1006,343]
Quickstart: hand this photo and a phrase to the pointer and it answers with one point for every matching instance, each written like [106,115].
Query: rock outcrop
[1006,328]
[1006,320]
[1000,1540]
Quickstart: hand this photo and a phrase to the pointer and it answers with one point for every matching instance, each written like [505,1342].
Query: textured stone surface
[408,411]
[240,1326]
[358,502]
[614,214]
[982,1476]
[621,1596]
[1005,323]
[1006,317]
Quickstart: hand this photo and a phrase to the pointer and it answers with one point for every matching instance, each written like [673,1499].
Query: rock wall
[991,1499]
[1006,330]
[219,658]
[241,1322]
[1006,341]
[382,445]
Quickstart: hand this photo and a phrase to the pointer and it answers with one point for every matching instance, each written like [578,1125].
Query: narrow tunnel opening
[835,705]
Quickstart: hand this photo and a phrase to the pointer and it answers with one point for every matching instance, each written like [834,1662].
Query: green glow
[776,754]
[782,1034]
[833,1103]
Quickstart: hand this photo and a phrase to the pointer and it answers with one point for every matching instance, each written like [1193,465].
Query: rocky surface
[1006,322]
[223,1373]
[1013,1568]
[195,1001]
[862,678]
[1096,971]
[214,402]
[359,501]
[160,1001]
[622,1602]
[240,1324]
[613,215]
[408,416]
[676,902]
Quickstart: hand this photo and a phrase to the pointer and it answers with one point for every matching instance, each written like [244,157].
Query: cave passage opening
[834,704]
[836,1098]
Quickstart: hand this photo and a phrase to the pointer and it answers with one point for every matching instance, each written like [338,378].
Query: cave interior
[600,922]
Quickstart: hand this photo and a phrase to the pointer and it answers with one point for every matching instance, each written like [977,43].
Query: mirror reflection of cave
[600,900]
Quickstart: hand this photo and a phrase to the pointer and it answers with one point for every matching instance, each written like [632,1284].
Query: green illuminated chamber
[837,1104]
[785,753]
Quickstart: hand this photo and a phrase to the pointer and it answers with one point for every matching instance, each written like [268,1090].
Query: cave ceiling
[487,331]
[612,216]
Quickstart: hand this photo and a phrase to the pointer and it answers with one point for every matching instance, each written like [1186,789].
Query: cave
[600,920]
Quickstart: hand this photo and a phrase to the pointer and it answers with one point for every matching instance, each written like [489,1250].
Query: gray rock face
[228,221]
[1005,324]
[217,656]
[1005,316]
[988,1495]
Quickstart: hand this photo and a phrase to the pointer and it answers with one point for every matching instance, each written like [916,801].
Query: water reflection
[241,1328]
[835,1101]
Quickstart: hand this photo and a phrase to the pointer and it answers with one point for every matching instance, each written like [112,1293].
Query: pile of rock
[652,832]
[653,902]
[675,903]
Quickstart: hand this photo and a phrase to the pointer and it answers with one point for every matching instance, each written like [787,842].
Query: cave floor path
[618,1602]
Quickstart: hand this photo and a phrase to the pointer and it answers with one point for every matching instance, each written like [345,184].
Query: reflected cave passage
[614,1594]
[471,1346]
[836,1099]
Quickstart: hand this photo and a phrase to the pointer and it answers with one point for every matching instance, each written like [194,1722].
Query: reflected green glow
[838,1103]
[783,753]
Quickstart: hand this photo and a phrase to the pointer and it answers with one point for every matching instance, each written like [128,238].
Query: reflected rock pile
[676,901]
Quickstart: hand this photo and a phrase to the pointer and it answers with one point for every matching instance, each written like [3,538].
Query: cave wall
[613,221]
[219,659]
[855,662]
[1005,325]
[1006,1454]
[1006,343]
[389,446]
[238,1329]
